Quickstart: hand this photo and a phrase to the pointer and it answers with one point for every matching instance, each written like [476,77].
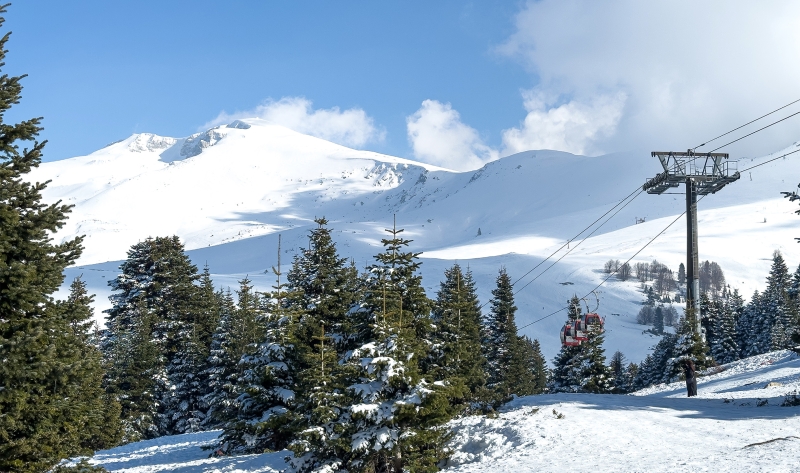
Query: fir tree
[48,390]
[654,368]
[658,321]
[457,356]
[221,364]
[778,313]
[508,370]
[724,346]
[392,422]
[618,367]
[537,366]
[240,330]
[794,301]
[324,292]
[689,345]
[154,305]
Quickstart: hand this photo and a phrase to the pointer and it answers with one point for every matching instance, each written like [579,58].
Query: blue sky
[99,70]
[453,83]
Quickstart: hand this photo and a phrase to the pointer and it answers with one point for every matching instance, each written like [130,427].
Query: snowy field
[736,423]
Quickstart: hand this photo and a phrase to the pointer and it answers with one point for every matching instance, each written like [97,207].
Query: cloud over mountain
[351,127]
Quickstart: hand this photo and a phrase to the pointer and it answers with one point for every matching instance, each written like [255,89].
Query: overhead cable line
[579,243]
[748,123]
[770,160]
[638,188]
[753,133]
[615,271]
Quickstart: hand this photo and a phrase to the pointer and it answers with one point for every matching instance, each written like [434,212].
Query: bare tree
[624,272]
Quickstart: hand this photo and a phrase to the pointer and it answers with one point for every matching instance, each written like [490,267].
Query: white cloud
[571,127]
[688,70]
[437,136]
[351,127]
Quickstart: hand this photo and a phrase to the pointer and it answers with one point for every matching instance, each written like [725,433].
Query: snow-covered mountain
[230,191]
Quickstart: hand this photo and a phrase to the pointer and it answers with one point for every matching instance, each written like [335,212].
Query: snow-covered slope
[229,191]
[736,423]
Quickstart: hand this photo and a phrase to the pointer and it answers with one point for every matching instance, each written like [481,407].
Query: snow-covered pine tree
[536,365]
[645,374]
[243,329]
[220,365]
[456,357]
[724,347]
[508,370]
[618,367]
[746,336]
[324,292]
[777,304]
[589,366]
[157,282]
[653,370]
[265,419]
[393,422]
[794,301]
[710,311]
[135,367]
[266,415]
[689,345]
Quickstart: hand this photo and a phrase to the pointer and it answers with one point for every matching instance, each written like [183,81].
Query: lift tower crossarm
[703,174]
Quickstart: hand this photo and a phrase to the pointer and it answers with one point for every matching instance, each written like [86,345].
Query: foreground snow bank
[735,423]
[728,427]
[185,454]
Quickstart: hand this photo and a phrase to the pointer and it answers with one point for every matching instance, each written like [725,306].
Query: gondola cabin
[568,335]
[589,323]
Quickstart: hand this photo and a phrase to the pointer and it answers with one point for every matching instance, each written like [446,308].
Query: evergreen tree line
[733,329]
[349,370]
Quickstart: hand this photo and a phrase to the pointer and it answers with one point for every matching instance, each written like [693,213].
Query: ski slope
[736,423]
[230,191]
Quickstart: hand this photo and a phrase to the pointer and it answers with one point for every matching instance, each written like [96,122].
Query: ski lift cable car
[577,331]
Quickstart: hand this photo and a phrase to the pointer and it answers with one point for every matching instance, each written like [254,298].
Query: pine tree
[778,312]
[221,364]
[392,422]
[41,340]
[745,327]
[241,328]
[508,370]
[619,367]
[654,368]
[457,356]
[724,346]
[794,301]
[689,345]
[536,365]
[324,291]
[658,321]
[81,360]
[154,305]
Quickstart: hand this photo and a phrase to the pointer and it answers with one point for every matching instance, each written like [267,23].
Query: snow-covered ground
[736,423]
[230,191]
